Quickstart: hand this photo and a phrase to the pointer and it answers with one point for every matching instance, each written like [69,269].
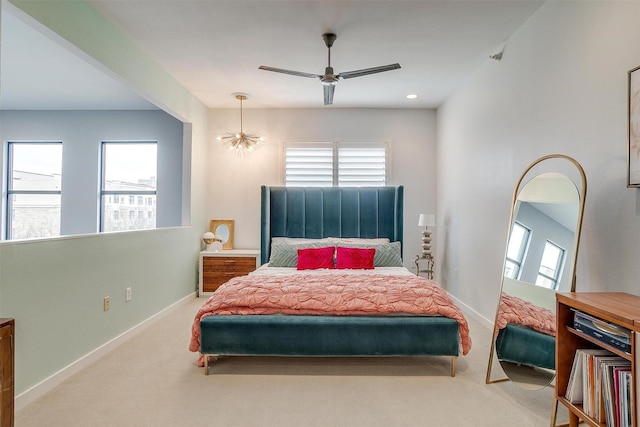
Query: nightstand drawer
[212,281]
[217,268]
[229,264]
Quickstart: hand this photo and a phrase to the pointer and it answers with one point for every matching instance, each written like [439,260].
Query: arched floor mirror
[540,259]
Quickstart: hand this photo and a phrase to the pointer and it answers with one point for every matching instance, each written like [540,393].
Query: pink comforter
[516,310]
[335,294]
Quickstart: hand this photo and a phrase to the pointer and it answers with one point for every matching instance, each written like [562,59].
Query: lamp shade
[208,237]
[427,220]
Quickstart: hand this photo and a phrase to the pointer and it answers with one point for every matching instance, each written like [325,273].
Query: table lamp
[426,221]
[212,241]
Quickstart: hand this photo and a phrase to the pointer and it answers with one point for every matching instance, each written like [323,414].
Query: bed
[526,333]
[525,346]
[281,308]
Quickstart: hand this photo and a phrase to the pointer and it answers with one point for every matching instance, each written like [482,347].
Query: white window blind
[361,166]
[309,166]
[335,164]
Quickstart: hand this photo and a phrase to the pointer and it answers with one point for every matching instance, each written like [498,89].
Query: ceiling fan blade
[367,71]
[328,94]
[293,73]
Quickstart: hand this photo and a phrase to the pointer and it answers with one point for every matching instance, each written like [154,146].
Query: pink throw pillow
[356,258]
[314,258]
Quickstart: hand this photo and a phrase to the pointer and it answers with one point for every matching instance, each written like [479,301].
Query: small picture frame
[223,228]
[633,129]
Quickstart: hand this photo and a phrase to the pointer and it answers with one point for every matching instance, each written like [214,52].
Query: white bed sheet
[280,271]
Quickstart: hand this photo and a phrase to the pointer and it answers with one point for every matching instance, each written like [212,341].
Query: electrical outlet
[127,294]
[107,303]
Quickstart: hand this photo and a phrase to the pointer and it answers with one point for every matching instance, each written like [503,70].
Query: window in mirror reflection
[516,250]
[34,189]
[550,266]
[128,196]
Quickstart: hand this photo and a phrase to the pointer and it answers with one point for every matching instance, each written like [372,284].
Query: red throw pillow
[313,258]
[356,258]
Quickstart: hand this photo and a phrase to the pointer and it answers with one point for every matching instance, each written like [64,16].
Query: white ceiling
[213,48]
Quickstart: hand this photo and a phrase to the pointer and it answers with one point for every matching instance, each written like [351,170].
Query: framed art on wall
[223,229]
[633,120]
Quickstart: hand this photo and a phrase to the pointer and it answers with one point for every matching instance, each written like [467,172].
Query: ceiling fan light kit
[329,79]
[242,143]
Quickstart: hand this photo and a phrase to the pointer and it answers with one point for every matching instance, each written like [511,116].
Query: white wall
[54,287]
[560,87]
[234,191]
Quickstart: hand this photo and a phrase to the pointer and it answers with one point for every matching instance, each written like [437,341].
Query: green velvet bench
[329,336]
[524,346]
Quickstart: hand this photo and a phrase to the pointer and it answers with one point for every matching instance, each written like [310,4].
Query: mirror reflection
[539,260]
[222,231]
[543,233]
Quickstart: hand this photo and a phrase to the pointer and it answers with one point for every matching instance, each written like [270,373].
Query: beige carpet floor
[152,380]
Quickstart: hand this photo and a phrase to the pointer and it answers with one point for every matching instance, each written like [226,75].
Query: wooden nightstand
[218,267]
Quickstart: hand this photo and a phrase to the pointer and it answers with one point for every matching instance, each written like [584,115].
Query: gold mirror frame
[227,226]
[581,203]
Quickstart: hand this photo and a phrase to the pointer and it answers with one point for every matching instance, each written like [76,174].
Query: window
[129,170]
[361,166]
[550,266]
[516,249]
[310,165]
[34,189]
[335,164]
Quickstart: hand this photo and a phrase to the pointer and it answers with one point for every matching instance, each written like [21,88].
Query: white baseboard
[46,385]
[472,313]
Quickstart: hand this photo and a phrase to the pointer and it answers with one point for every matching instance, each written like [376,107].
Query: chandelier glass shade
[242,143]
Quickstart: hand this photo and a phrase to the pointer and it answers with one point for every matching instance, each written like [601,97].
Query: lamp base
[214,247]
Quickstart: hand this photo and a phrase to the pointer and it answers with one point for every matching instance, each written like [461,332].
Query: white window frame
[335,147]
[11,192]
[119,193]
[557,272]
[522,251]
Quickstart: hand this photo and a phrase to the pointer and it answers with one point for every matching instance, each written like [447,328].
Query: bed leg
[453,365]
[206,364]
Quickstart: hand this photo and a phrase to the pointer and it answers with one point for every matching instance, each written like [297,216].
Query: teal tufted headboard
[315,213]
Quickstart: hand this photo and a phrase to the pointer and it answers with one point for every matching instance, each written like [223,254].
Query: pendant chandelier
[241,143]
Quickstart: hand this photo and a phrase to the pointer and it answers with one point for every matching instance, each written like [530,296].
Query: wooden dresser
[7,362]
[218,267]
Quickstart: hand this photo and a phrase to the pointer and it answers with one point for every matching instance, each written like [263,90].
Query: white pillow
[297,240]
[376,241]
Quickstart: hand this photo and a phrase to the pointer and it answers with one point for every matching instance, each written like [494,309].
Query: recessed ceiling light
[412,96]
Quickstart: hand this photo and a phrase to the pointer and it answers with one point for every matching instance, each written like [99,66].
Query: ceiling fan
[329,79]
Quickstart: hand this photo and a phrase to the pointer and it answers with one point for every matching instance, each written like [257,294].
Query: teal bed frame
[524,346]
[363,212]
